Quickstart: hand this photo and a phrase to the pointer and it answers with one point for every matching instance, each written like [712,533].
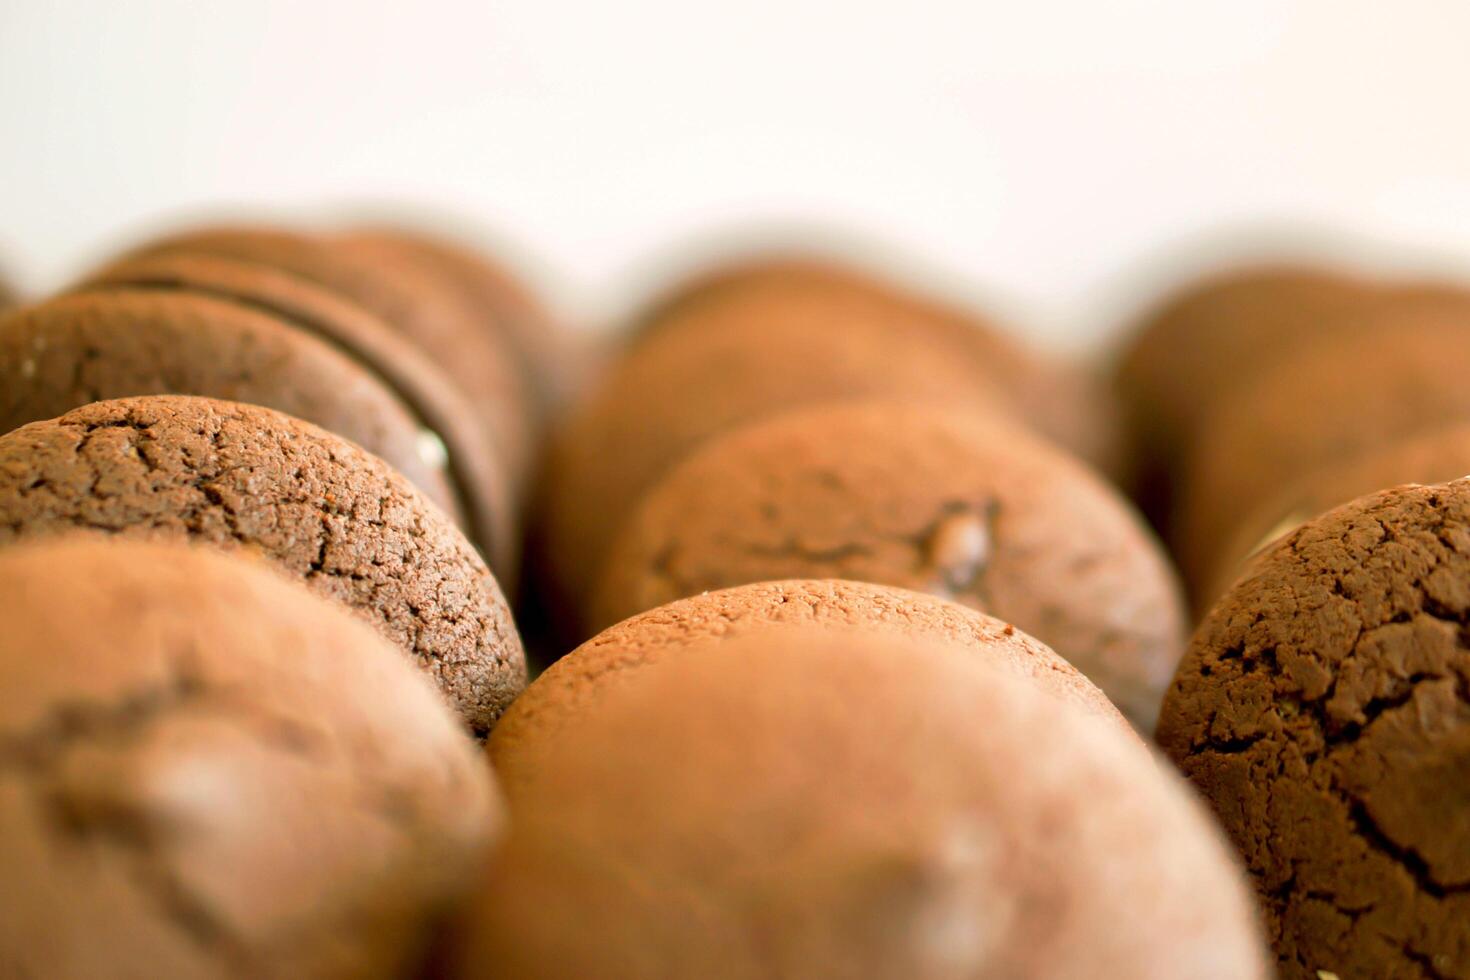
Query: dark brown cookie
[1315,406]
[574,683]
[717,368]
[813,804]
[1436,456]
[310,503]
[81,348]
[449,431]
[925,498]
[207,772]
[548,353]
[1323,709]
[404,295]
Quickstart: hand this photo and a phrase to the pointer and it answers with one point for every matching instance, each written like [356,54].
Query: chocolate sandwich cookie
[808,804]
[1323,709]
[448,436]
[205,771]
[1437,456]
[77,349]
[309,503]
[409,298]
[577,681]
[716,369]
[507,308]
[925,498]
[1062,400]
[1315,406]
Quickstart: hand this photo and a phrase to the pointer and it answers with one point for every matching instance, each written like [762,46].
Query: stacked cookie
[1303,431]
[252,635]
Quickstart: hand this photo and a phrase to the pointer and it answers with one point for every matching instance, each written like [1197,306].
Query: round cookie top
[76,349]
[1060,399]
[1403,371]
[572,684]
[921,497]
[1323,709]
[310,503]
[1436,456]
[403,294]
[208,772]
[716,368]
[450,436]
[808,803]
[1218,331]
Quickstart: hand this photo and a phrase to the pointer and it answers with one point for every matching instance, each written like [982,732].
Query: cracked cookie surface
[207,772]
[923,498]
[1323,708]
[571,685]
[313,505]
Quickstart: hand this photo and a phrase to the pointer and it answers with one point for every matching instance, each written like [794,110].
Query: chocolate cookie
[1316,406]
[808,804]
[1062,400]
[310,503]
[1434,457]
[449,436]
[404,295]
[1216,332]
[207,772]
[924,498]
[547,353]
[78,349]
[1323,709]
[715,369]
[574,683]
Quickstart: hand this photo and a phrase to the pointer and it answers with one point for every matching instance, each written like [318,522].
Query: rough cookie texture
[404,295]
[78,349]
[1323,709]
[207,772]
[924,498]
[312,504]
[809,804]
[1434,457]
[570,686]
[1402,373]
[449,434]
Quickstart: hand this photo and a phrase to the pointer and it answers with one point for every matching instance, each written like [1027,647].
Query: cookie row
[798,419]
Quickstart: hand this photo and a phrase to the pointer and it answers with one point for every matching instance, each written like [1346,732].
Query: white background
[1057,158]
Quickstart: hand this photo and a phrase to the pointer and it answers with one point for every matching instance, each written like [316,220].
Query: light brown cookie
[1323,709]
[925,498]
[207,772]
[579,680]
[812,804]
[718,367]
[308,503]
